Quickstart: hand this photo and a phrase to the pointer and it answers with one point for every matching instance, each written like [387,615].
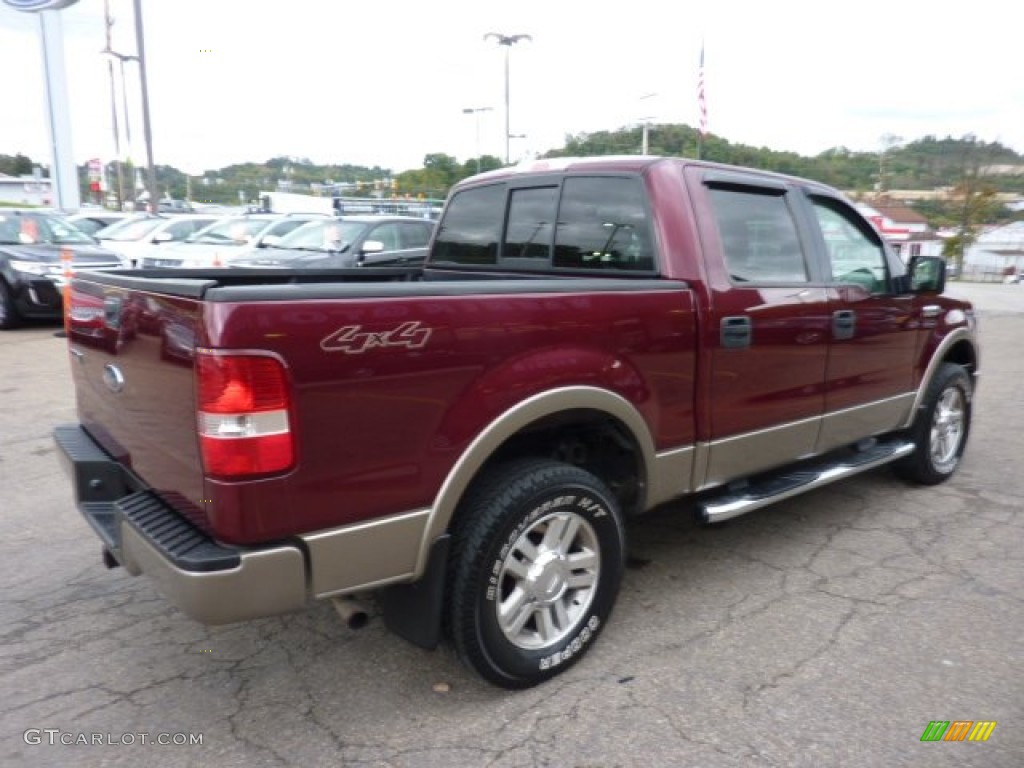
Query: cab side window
[471,228]
[759,236]
[603,224]
[855,252]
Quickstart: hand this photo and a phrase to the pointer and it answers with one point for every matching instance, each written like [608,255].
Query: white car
[93,220]
[228,239]
[134,237]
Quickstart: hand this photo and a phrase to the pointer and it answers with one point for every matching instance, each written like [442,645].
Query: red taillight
[244,428]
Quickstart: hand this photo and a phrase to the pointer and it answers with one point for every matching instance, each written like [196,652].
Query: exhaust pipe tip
[352,612]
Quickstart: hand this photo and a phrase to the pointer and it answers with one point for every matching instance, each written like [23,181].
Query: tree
[16,165]
[976,199]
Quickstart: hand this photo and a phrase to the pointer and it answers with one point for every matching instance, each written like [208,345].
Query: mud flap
[413,611]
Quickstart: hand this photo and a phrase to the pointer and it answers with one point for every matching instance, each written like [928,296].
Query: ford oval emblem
[113,378]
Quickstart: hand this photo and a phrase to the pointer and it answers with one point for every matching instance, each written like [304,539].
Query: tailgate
[132,355]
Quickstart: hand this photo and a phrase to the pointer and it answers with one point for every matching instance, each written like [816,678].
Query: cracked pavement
[827,630]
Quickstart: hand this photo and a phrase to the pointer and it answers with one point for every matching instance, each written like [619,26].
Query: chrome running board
[768,489]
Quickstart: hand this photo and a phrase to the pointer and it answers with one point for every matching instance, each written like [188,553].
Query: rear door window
[759,236]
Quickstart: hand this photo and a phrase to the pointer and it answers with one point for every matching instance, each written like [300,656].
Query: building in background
[906,230]
[997,253]
[25,190]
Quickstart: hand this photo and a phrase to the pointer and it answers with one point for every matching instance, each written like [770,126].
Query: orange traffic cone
[68,270]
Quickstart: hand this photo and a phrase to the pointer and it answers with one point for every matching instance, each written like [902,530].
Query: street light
[518,136]
[646,125]
[508,41]
[476,111]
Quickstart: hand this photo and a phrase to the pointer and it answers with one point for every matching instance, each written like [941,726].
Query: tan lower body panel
[853,424]
[267,582]
[365,555]
[744,455]
[722,461]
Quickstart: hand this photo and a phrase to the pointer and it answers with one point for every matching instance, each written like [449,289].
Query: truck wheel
[9,317]
[940,428]
[538,555]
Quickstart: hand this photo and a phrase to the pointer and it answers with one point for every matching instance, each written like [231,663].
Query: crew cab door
[873,325]
[768,326]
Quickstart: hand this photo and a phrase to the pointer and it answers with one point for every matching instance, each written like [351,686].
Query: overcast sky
[384,83]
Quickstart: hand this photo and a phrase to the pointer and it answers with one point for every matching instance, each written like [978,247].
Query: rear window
[586,223]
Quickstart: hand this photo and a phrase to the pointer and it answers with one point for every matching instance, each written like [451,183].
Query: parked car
[228,239]
[32,276]
[169,205]
[351,241]
[93,221]
[134,238]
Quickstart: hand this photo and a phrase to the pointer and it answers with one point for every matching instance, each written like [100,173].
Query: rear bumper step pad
[211,582]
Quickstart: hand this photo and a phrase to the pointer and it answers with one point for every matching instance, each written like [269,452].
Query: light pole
[646,125]
[518,136]
[146,131]
[476,111]
[63,172]
[508,41]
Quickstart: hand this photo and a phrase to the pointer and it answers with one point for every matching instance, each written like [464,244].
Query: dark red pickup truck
[588,339]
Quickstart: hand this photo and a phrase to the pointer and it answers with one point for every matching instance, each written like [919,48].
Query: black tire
[9,317]
[940,429]
[546,541]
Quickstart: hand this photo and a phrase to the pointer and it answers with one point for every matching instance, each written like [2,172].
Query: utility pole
[146,130]
[508,41]
[109,22]
[646,126]
[889,140]
[475,111]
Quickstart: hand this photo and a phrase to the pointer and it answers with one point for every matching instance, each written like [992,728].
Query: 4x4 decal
[353,340]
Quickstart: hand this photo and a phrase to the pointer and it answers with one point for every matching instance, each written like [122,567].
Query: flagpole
[702,107]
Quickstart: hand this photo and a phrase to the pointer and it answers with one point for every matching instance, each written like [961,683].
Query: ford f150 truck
[588,339]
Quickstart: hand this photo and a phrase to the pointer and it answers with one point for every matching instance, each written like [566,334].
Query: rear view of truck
[252,441]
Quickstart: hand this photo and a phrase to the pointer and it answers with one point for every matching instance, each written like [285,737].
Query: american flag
[702,104]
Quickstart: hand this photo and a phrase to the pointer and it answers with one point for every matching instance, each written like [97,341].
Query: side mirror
[372,246]
[163,237]
[270,241]
[927,274]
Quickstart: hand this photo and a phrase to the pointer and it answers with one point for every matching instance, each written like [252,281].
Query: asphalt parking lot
[828,630]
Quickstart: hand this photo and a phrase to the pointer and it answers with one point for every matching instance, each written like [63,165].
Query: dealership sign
[39,5]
